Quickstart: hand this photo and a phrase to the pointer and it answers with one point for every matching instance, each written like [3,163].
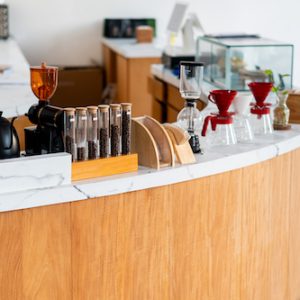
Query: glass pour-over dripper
[189,118]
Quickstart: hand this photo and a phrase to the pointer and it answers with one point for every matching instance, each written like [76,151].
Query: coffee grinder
[190,118]
[47,135]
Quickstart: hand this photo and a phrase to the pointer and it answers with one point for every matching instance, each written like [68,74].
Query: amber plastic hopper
[43,82]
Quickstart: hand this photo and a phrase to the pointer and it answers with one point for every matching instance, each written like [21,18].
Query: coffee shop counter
[226,227]
[215,161]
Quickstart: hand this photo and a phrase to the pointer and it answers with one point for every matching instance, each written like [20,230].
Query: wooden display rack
[152,143]
[104,167]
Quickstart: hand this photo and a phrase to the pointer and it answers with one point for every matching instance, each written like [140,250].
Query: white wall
[68,32]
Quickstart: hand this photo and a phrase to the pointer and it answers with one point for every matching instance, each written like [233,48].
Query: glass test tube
[69,131]
[103,129]
[126,127]
[92,132]
[81,133]
[115,129]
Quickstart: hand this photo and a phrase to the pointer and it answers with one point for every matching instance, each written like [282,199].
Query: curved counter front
[227,227]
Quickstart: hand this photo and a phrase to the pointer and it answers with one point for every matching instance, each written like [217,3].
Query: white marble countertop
[129,48]
[15,92]
[216,160]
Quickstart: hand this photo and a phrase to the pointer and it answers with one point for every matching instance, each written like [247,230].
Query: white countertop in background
[129,48]
[216,160]
[15,93]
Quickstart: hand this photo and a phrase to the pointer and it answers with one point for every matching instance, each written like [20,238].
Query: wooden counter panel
[11,279]
[46,255]
[230,236]
[294,228]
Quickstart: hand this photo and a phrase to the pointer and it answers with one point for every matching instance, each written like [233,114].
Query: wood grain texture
[46,255]
[294,227]
[138,95]
[11,280]
[20,123]
[104,167]
[109,64]
[122,73]
[293,103]
[230,236]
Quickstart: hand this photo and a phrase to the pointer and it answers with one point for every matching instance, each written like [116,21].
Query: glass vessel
[43,81]
[126,127]
[92,132]
[222,131]
[281,113]
[103,126]
[242,126]
[81,133]
[232,62]
[115,129]
[189,118]
[224,135]
[69,132]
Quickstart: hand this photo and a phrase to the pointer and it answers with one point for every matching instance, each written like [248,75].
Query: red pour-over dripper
[260,91]
[223,100]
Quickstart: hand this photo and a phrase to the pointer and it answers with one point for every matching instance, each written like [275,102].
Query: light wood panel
[190,240]
[256,235]
[11,280]
[224,245]
[230,236]
[280,178]
[46,253]
[131,256]
[122,74]
[104,166]
[138,74]
[109,61]
[20,123]
[294,227]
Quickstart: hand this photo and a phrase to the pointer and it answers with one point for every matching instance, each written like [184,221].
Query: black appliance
[172,62]
[9,141]
[125,28]
[47,136]
[4,34]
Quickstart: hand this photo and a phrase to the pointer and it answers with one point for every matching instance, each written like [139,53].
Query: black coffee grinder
[47,135]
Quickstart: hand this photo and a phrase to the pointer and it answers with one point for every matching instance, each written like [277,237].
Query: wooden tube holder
[104,167]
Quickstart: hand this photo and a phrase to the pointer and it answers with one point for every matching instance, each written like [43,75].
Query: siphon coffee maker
[47,135]
[190,118]
[222,130]
[260,110]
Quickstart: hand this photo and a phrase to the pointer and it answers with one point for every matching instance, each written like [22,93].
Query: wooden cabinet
[131,78]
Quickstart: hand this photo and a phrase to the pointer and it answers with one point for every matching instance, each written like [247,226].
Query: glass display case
[233,62]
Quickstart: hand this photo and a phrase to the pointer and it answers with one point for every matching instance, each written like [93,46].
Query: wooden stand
[152,143]
[104,167]
[180,141]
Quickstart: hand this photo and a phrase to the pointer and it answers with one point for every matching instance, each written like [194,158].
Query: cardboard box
[78,86]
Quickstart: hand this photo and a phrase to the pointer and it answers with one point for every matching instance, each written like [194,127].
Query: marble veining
[214,161]
[29,173]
